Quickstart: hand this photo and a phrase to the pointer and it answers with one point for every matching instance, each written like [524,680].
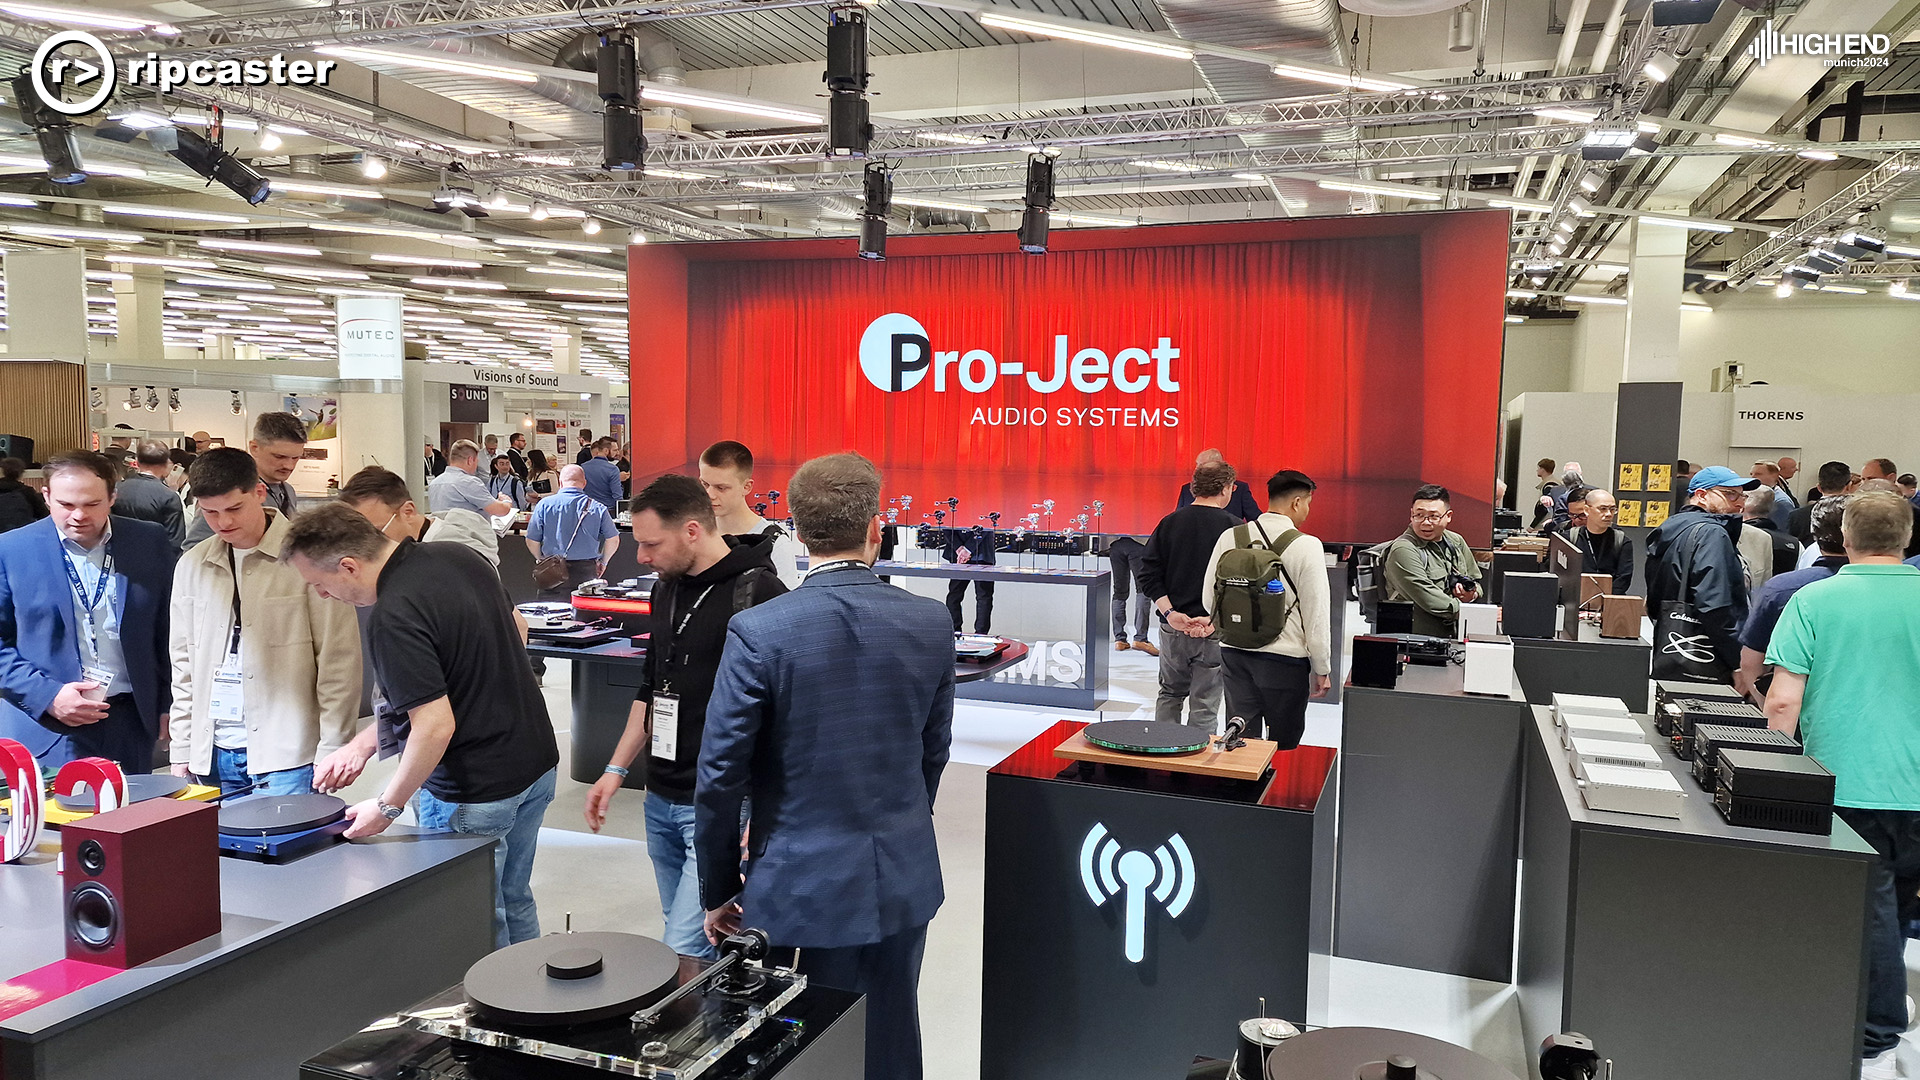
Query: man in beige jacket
[265,678]
[1269,686]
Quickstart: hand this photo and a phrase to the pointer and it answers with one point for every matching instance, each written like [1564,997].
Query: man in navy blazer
[833,710]
[83,624]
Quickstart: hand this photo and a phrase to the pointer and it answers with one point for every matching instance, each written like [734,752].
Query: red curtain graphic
[1370,362]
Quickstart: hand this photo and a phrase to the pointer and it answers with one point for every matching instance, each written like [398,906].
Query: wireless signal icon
[1165,877]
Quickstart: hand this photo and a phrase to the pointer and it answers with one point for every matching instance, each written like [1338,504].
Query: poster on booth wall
[319,470]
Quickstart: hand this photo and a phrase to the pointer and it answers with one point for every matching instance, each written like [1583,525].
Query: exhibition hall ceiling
[455,151]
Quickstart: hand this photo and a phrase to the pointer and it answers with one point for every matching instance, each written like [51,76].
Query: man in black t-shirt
[1172,572]
[705,579]
[477,749]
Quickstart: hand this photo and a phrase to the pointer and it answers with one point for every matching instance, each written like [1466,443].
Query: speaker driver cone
[93,916]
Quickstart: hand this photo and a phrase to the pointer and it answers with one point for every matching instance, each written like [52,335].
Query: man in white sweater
[1268,687]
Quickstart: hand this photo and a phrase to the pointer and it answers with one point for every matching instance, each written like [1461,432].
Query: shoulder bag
[550,572]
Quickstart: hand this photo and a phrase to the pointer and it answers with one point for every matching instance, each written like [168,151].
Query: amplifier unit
[1688,714]
[1393,617]
[1488,667]
[1529,606]
[1753,812]
[1629,755]
[1668,694]
[1781,777]
[1377,661]
[141,881]
[1611,728]
[1650,792]
[1710,739]
[1587,703]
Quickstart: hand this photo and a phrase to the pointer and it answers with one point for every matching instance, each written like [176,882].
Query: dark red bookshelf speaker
[141,881]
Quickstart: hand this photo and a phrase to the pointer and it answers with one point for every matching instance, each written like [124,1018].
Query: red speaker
[141,881]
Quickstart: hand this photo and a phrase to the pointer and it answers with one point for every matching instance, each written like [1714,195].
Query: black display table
[1688,947]
[1590,664]
[1234,882]
[1430,825]
[605,679]
[310,952]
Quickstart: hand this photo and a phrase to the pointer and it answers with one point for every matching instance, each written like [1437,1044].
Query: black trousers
[982,604]
[121,738]
[1895,836]
[1269,692]
[888,973]
[1126,554]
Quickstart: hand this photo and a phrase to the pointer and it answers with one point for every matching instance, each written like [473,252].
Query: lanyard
[668,653]
[89,603]
[233,646]
[843,564]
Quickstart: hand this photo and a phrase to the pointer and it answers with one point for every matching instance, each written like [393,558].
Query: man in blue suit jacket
[833,709]
[83,624]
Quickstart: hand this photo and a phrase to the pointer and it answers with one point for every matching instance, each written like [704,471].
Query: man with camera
[1432,566]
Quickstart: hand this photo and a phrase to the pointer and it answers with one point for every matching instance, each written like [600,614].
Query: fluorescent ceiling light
[1516,319]
[605,294]
[344,191]
[653,173]
[570,271]
[285,301]
[206,305]
[1086,35]
[29,161]
[160,260]
[941,204]
[142,120]
[449,64]
[67,16]
[952,138]
[1392,190]
[767,185]
[422,260]
[1819,155]
[1172,166]
[130,210]
[554,245]
[18,200]
[459,283]
[64,232]
[1571,116]
[1334,77]
[1853,289]
[314,272]
[222,281]
[721,103]
[256,247]
[1685,223]
[1615,301]
[1692,305]
[1725,139]
[378,230]
[1534,205]
[107,275]
[1521,294]
[1059,216]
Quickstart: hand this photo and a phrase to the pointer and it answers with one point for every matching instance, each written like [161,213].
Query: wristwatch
[391,813]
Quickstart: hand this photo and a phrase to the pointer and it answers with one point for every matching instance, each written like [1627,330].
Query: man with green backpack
[1267,596]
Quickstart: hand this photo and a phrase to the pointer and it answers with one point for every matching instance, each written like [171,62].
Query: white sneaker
[1883,1066]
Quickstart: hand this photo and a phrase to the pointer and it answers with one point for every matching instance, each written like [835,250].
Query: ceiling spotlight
[1579,205]
[97,400]
[1897,287]
[235,403]
[268,141]
[451,196]
[173,399]
[1037,215]
[1463,29]
[1607,142]
[849,131]
[133,399]
[1661,66]
[1859,245]
[1799,275]
[590,226]
[372,167]
[878,202]
[1824,261]
[623,136]
[153,399]
[539,212]
[215,163]
[636,237]
[54,132]
[1591,182]
[1783,290]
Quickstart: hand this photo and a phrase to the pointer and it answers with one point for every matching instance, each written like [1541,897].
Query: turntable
[594,1004]
[1148,737]
[281,828]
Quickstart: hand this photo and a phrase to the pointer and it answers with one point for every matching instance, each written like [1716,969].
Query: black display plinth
[1234,882]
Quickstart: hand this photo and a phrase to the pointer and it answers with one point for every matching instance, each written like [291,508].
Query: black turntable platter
[1376,1054]
[275,815]
[1147,737]
[569,979]
[140,788]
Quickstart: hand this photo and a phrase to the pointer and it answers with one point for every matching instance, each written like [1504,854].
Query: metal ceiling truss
[388,22]
[1873,187]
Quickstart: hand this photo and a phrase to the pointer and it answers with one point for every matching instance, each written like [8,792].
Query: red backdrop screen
[1364,352]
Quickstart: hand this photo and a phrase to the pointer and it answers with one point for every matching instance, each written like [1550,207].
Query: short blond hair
[1877,523]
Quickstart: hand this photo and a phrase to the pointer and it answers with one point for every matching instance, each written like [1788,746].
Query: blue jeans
[670,846]
[230,775]
[514,823]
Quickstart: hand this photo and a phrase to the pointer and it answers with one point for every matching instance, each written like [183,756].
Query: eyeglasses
[1603,511]
[1423,516]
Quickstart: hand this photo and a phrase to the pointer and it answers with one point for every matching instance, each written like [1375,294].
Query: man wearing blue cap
[1693,559]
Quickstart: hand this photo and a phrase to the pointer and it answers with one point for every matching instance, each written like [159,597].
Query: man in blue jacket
[83,624]
[833,710]
[1692,558]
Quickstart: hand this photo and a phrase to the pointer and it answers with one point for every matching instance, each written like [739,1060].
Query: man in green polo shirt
[1846,657]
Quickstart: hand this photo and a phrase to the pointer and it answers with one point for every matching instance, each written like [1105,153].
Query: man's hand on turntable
[723,922]
[344,766]
[367,820]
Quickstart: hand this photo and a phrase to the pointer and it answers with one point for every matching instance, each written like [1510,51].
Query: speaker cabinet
[1593,585]
[1620,616]
[1530,604]
[141,881]
[1377,661]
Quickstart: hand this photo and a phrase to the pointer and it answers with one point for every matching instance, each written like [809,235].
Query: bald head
[573,476]
[1209,456]
[1788,467]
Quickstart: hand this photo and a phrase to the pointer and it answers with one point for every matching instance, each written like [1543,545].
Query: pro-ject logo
[82,61]
[897,354]
[1837,50]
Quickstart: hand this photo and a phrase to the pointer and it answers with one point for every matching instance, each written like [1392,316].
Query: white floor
[604,882]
